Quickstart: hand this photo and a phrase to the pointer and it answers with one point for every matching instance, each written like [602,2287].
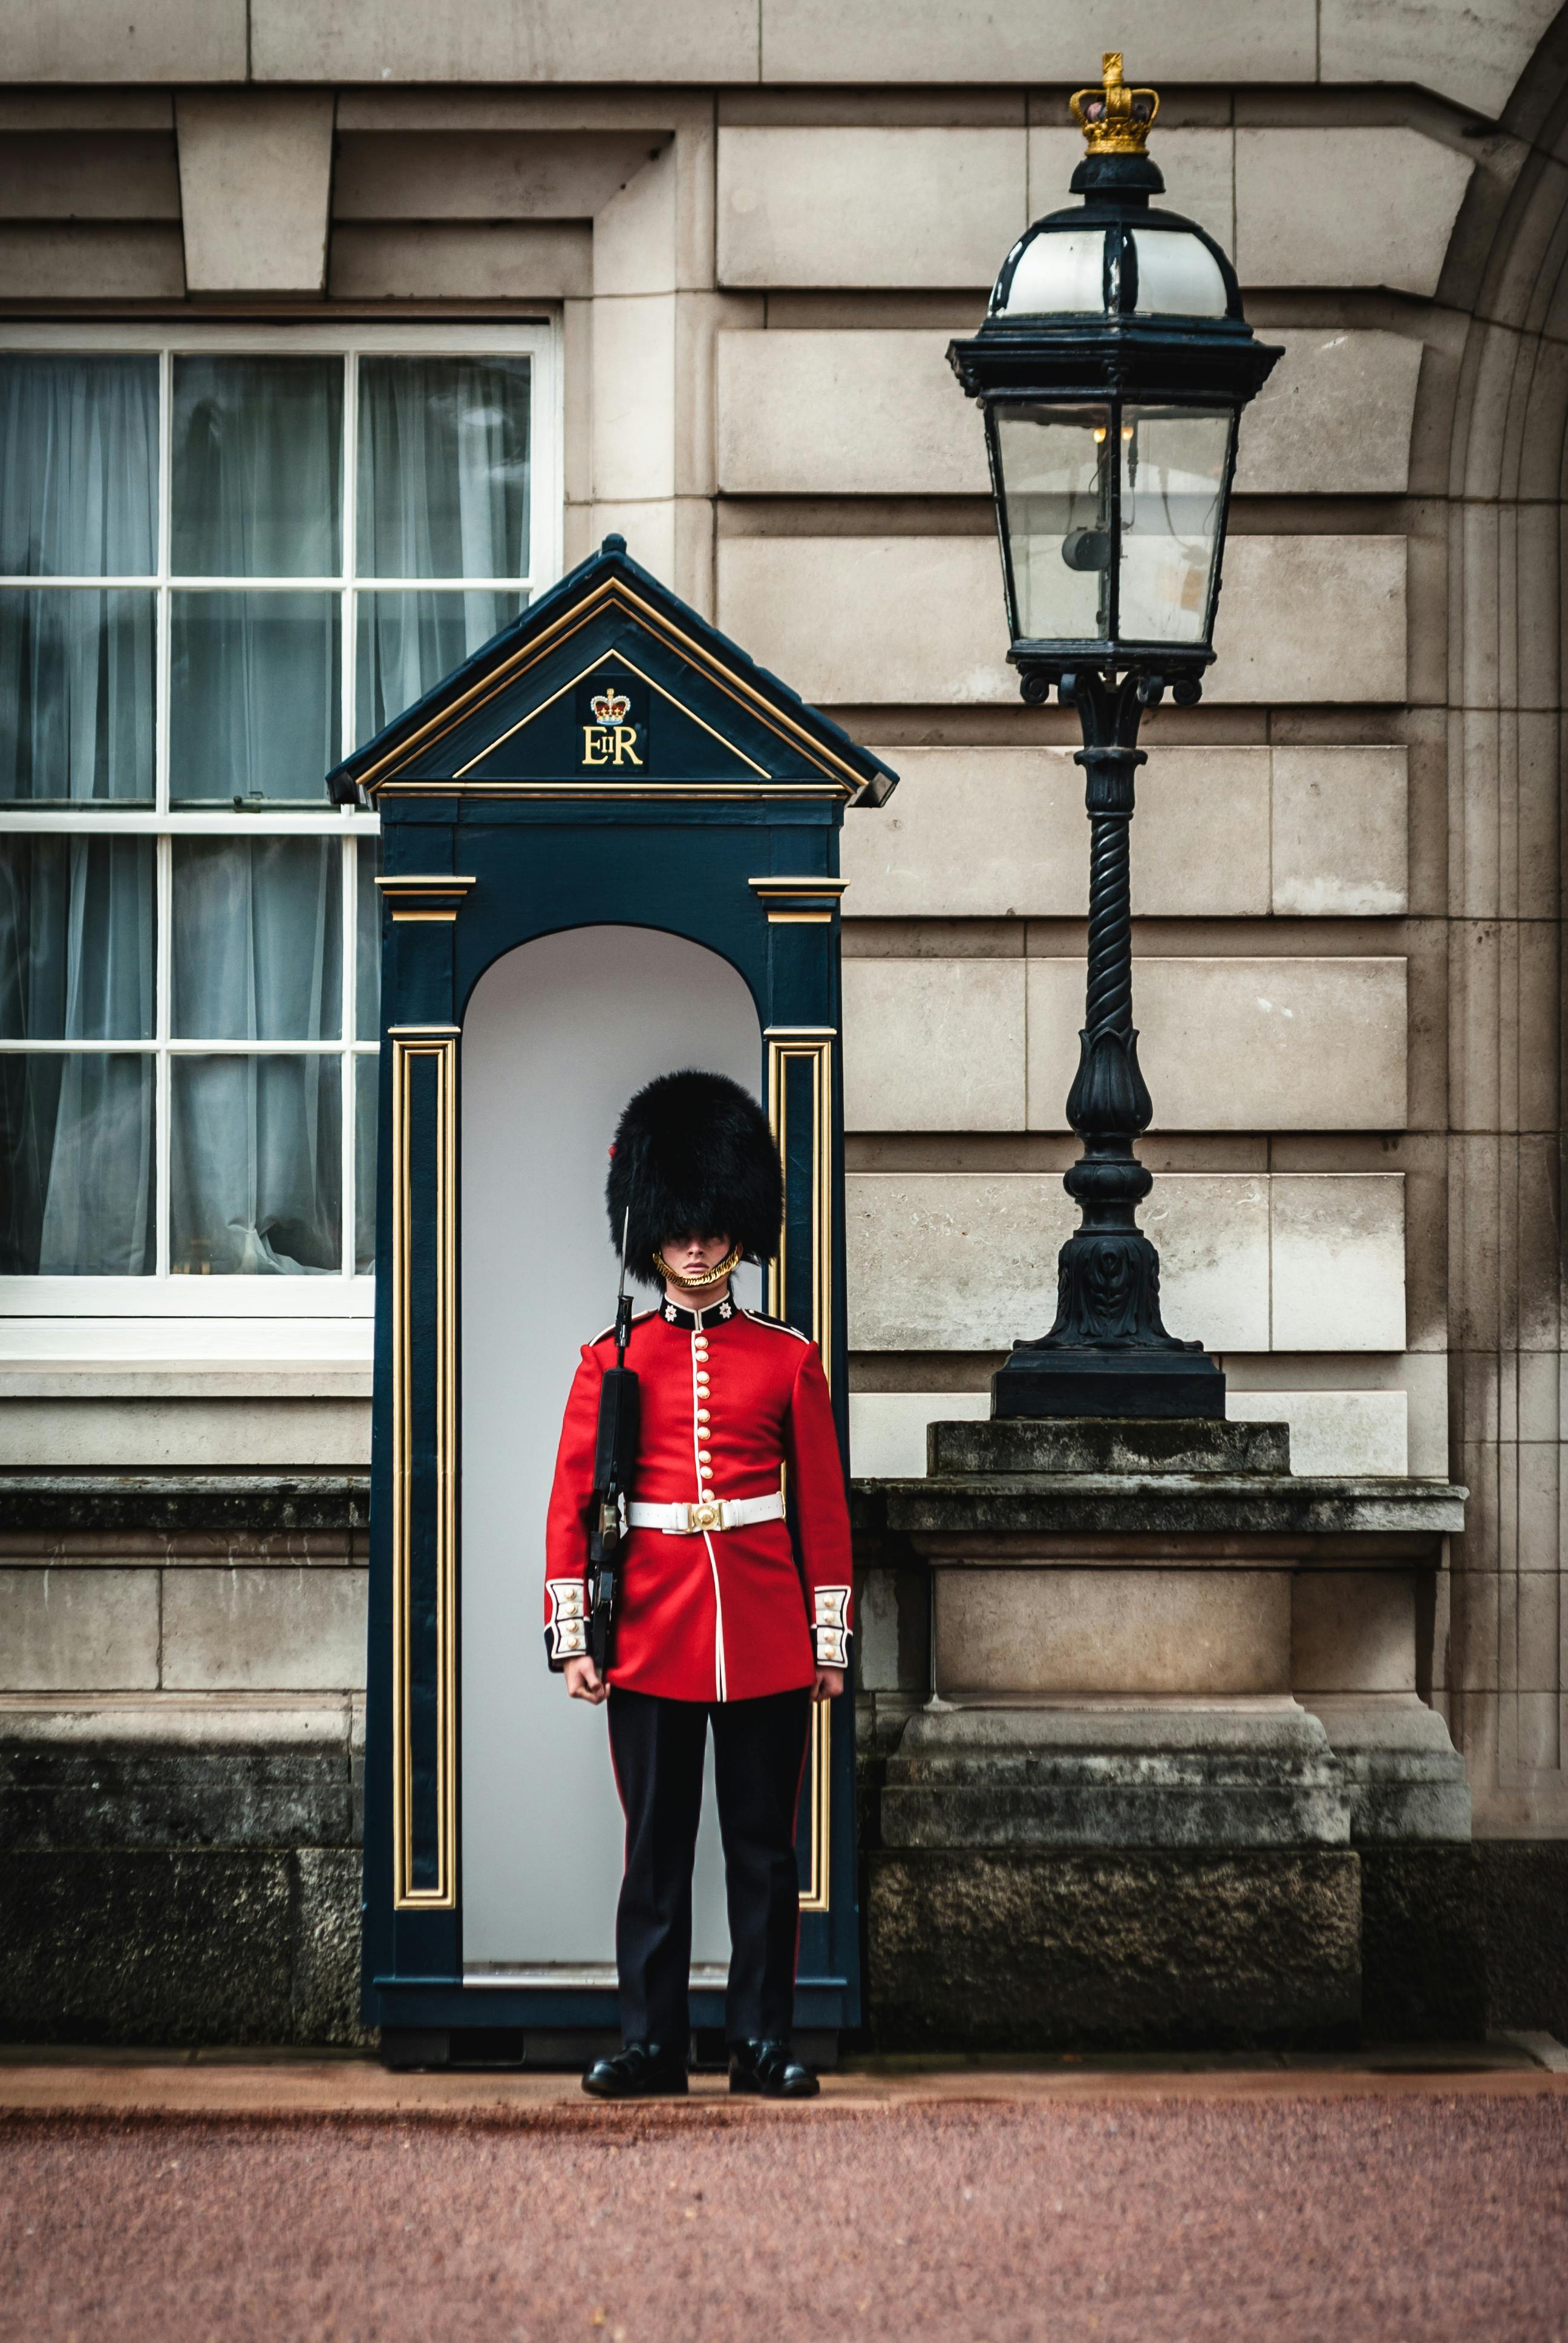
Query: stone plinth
[1175,1687]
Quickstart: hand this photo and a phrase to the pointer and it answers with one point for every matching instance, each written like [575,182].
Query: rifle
[615,1455]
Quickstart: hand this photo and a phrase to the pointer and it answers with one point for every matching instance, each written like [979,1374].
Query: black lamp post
[1111,370]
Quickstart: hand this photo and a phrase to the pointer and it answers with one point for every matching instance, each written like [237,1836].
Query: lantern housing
[1111,368]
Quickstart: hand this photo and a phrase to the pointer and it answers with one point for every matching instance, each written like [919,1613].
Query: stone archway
[1489,442]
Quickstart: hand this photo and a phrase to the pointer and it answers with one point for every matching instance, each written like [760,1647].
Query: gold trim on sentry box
[433,890]
[439,1043]
[613,590]
[592,668]
[814,1044]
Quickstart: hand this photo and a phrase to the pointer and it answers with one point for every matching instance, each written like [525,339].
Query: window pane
[256,696]
[78,466]
[256,938]
[443,467]
[364,1121]
[77,918]
[367,944]
[76,694]
[1056,478]
[257,468]
[407,642]
[76,1141]
[1172,473]
[255,1168]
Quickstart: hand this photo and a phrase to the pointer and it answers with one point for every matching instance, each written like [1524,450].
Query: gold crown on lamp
[611,707]
[1114,119]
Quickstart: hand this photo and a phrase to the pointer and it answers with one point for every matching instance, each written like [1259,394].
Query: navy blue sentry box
[552,782]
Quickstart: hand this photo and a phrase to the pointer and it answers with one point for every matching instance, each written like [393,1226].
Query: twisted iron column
[1108,1352]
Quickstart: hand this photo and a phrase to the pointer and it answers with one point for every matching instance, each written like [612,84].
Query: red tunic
[728,1400]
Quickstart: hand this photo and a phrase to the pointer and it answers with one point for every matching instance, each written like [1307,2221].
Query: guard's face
[690,1255]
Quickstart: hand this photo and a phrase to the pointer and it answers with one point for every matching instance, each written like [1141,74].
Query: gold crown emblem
[1114,119]
[611,707]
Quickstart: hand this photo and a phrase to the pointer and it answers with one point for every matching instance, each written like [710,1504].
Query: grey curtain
[77,956]
[442,492]
[255,1156]
[258,492]
[79,476]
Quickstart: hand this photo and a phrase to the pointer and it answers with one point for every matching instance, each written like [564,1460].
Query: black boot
[643,2070]
[767,2069]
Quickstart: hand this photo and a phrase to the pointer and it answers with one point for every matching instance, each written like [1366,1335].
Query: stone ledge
[263,1720]
[176,1502]
[985,1505]
[158,1794]
[1405,1780]
[1113,1776]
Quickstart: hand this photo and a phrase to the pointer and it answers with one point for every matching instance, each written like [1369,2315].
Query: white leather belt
[711,1514]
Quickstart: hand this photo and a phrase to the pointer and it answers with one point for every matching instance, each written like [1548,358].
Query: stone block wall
[181,1765]
[755,224]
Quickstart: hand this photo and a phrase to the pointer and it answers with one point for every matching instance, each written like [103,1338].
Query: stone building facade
[733,241]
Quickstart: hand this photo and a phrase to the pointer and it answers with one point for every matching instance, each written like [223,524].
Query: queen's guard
[729,1530]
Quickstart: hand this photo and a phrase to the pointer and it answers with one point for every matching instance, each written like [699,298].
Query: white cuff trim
[567,1625]
[830,1626]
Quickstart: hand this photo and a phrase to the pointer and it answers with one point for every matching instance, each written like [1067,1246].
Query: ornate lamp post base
[1089,1381]
[1109,1352]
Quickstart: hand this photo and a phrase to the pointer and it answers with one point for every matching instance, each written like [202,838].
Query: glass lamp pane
[365,1092]
[257,484]
[257,930]
[76,1137]
[78,465]
[407,642]
[256,696]
[1060,272]
[367,942]
[1056,486]
[444,467]
[256,1166]
[1173,481]
[77,695]
[77,927]
[1178,277]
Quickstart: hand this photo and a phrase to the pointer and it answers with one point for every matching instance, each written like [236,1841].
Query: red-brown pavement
[211,2198]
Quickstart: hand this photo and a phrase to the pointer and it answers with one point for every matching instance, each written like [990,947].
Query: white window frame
[167,1299]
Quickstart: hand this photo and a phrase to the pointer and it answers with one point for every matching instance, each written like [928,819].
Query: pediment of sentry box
[611,702]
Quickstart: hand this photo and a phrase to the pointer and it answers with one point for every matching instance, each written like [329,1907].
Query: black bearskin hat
[693,1150]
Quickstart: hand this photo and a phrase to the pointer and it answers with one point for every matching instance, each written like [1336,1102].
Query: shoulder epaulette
[782,1325]
[604,1332]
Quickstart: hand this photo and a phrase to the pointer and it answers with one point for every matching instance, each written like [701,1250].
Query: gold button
[705,1472]
[702,1415]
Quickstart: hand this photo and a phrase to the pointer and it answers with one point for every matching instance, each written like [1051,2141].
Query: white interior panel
[558,1034]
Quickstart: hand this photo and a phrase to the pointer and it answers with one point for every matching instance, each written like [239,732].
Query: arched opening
[558,1034]
[1496,422]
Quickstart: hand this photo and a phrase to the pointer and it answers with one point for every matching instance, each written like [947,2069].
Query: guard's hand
[584,1681]
[830,1683]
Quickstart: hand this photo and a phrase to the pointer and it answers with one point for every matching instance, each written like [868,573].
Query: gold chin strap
[714,1276]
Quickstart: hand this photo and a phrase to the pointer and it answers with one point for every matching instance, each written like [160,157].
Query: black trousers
[758,1751]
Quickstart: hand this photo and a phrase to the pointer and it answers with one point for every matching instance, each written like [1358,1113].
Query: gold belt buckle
[707,1515]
